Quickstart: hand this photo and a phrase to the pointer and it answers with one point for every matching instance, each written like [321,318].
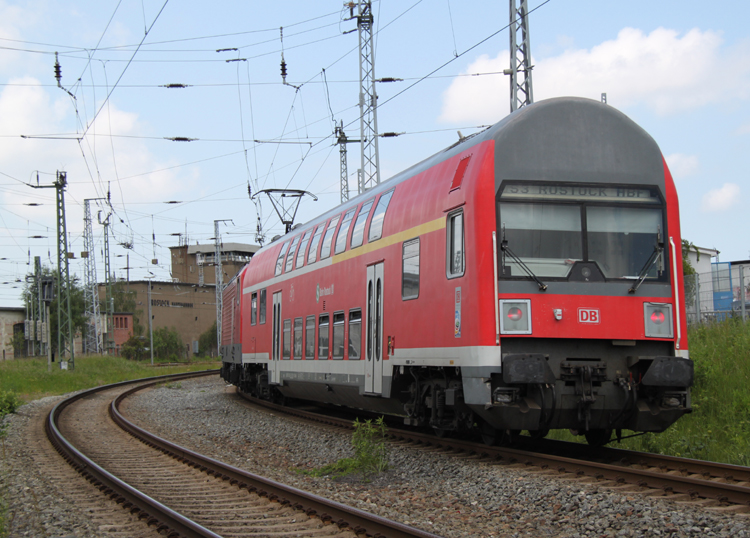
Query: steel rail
[327,510]
[708,488]
[155,513]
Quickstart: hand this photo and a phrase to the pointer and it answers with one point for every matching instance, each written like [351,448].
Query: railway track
[178,492]
[721,486]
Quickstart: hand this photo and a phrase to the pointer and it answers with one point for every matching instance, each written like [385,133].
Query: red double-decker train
[526,278]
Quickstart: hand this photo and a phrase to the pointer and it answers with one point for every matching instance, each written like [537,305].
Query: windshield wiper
[506,249]
[655,255]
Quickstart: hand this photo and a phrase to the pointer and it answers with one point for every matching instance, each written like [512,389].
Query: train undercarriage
[534,392]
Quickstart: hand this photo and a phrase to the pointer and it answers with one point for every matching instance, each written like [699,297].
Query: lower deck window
[298,338]
[310,338]
[410,273]
[286,352]
[355,334]
[339,322]
[323,337]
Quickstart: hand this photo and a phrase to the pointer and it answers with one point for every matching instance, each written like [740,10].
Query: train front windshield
[551,227]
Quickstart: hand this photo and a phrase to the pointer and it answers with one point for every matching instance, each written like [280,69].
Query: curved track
[182,493]
[712,484]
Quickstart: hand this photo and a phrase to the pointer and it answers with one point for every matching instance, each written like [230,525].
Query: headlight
[515,316]
[658,319]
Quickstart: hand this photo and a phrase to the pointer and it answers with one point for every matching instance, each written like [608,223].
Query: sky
[679,70]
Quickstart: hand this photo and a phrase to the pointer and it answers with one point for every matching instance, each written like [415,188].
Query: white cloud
[682,165]
[663,70]
[721,199]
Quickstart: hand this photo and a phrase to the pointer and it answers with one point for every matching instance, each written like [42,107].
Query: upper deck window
[325,249]
[378,217]
[344,231]
[302,248]
[280,259]
[312,257]
[290,256]
[358,234]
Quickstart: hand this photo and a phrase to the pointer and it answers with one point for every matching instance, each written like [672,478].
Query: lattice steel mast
[65,343]
[368,99]
[342,140]
[92,340]
[521,93]
[219,279]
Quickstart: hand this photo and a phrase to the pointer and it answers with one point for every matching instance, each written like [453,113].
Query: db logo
[588,315]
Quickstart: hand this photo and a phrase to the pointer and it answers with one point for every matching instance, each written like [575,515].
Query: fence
[721,294]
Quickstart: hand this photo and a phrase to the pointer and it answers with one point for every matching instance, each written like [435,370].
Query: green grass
[718,429]
[30,380]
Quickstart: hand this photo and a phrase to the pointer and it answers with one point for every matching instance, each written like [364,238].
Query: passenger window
[310,338]
[298,338]
[455,247]
[280,259]
[286,352]
[323,337]
[253,308]
[344,231]
[302,247]
[312,257]
[355,334]
[376,225]
[410,273]
[339,320]
[262,308]
[325,250]
[358,234]
[290,256]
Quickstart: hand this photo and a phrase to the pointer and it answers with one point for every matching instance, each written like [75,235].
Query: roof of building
[210,248]
[12,309]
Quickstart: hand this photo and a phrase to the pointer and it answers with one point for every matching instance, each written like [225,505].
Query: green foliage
[134,348]
[9,402]
[168,344]
[125,301]
[370,452]
[207,341]
[18,343]
[30,379]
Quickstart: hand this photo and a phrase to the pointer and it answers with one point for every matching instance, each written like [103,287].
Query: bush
[134,349]
[370,452]
[9,402]
[207,341]
[168,344]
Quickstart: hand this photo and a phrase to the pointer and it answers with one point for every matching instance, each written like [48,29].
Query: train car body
[526,278]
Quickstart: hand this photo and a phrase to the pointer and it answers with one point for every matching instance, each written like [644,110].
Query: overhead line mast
[521,93]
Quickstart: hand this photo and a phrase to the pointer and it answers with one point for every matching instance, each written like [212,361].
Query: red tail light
[515,314]
[657,317]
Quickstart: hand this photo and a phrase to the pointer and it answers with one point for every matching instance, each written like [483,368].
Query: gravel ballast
[448,495]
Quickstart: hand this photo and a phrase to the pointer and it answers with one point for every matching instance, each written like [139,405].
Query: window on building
[358,234]
[455,247]
[310,338]
[355,334]
[126,322]
[410,273]
[323,337]
[339,327]
[262,307]
[298,338]
[286,352]
[253,308]
[344,231]
[325,249]
[312,257]
[376,225]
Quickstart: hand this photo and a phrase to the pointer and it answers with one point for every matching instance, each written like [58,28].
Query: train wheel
[598,437]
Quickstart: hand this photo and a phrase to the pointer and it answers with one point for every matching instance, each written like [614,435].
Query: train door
[275,377]
[374,331]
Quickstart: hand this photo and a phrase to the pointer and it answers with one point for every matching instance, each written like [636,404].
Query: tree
[168,344]
[134,349]
[207,341]
[125,301]
[77,302]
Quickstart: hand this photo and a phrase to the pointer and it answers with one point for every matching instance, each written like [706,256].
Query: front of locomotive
[590,310]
